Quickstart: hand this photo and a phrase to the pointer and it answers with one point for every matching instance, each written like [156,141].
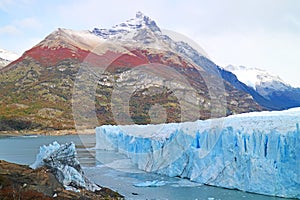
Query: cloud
[29,22]
[105,14]
[277,52]
[17,27]
[9,30]
[254,32]
[5,3]
[210,17]
[293,22]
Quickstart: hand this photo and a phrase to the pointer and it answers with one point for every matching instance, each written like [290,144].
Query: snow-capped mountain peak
[132,26]
[7,55]
[140,21]
[262,81]
[142,32]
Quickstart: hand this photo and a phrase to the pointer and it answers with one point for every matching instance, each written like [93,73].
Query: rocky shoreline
[55,174]
[22,182]
[48,132]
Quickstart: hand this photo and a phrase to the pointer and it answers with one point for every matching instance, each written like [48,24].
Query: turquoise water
[115,171]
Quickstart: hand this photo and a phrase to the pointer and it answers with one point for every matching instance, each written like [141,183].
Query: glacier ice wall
[254,152]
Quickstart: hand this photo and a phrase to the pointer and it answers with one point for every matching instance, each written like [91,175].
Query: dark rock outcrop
[22,182]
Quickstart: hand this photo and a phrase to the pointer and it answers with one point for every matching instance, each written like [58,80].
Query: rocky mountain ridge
[41,87]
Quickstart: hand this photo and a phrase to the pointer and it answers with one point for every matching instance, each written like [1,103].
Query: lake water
[115,171]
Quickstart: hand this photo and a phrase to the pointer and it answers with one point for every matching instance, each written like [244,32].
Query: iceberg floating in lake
[62,161]
[154,183]
[254,152]
[45,152]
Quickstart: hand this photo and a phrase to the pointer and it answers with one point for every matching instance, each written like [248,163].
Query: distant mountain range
[6,57]
[276,94]
[38,88]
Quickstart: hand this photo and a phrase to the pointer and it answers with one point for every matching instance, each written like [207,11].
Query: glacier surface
[255,152]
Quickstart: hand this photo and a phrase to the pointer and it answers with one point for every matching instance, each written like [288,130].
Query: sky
[255,33]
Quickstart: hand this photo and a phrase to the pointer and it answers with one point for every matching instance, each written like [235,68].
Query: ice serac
[62,161]
[254,152]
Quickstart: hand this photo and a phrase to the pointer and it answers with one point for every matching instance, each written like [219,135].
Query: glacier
[256,152]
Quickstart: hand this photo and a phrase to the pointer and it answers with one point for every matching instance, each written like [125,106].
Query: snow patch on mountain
[262,81]
[127,29]
[67,38]
[7,57]
[142,32]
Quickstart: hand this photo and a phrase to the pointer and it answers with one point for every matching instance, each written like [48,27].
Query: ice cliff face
[62,161]
[254,152]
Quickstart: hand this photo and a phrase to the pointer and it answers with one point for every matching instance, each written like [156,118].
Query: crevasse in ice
[254,152]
